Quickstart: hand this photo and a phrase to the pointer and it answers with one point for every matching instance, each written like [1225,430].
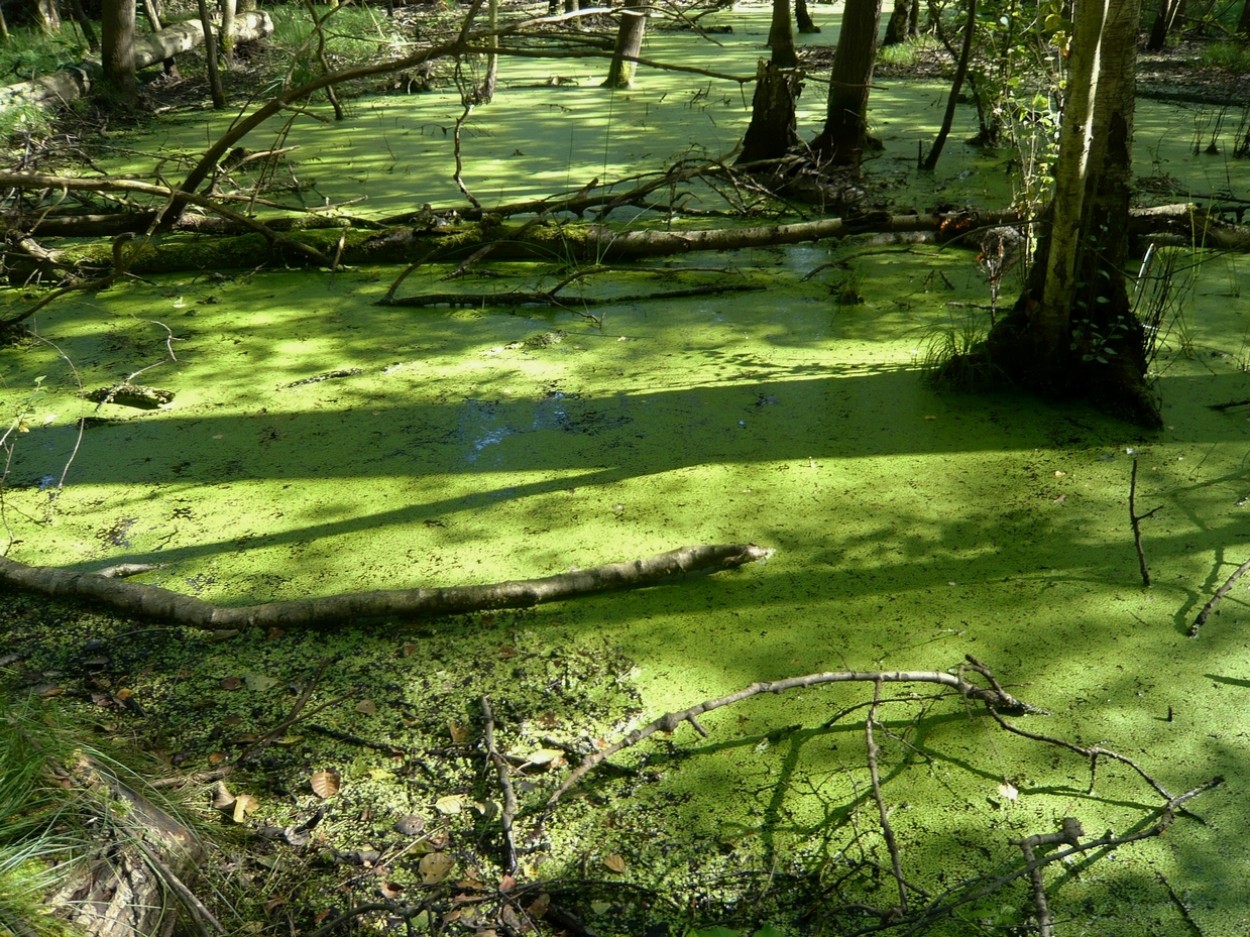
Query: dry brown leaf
[450,805]
[222,798]
[325,784]
[435,867]
[545,757]
[367,707]
[232,683]
[537,908]
[614,863]
[244,806]
[507,883]
[460,734]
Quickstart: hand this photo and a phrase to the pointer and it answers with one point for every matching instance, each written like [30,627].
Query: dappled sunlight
[319,443]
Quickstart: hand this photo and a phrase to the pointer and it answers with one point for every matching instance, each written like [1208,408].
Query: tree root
[155,603]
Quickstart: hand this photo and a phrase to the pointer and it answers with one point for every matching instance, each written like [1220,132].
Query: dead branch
[1135,520]
[960,895]
[153,602]
[551,297]
[1219,594]
[883,815]
[500,763]
[1070,833]
[994,697]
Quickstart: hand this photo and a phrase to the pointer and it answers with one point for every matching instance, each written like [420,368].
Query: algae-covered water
[464,445]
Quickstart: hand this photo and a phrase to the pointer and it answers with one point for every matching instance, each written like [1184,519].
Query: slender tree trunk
[961,70]
[486,92]
[228,10]
[48,16]
[781,36]
[846,125]
[84,23]
[1164,18]
[773,129]
[897,28]
[628,47]
[803,18]
[210,57]
[117,36]
[1243,25]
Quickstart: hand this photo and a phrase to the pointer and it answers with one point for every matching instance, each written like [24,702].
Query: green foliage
[906,54]
[352,36]
[949,355]
[1229,56]
[34,845]
[30,53]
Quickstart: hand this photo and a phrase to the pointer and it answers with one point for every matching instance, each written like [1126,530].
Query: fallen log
[69,84]
[304,243]
[155,603]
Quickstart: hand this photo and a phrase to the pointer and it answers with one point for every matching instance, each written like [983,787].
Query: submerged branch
[153,602]
[994,697]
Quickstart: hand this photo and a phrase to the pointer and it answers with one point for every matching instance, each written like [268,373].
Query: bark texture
[628,47]
[846,118]
[154,603]
[1073,331]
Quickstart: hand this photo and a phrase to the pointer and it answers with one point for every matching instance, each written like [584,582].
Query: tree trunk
[84,23]
[773,130]
[1164,18]
[841,143]
[628,48]
[117,28]
[803,18]
[897,28]
[486,90]
[781,37]
[1243,25]
[210,57]
[1073,331]
[48,16]
[153,602]
[961,70]
[228,13]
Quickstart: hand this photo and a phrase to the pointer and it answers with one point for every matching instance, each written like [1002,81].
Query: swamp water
[911,528]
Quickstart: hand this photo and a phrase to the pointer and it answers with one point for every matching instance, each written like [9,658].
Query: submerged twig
[1219,594]
[995,698]
[883,814]
[1070,832]
[1135,520]
[505,783]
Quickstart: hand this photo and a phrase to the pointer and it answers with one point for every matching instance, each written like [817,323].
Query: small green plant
[64,800]
[951,358]
[906,54]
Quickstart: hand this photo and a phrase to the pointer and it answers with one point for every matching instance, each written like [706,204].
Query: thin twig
[505,783]
[1219,594]
[1135,520]
[995,698]
[887,831]
[1069,833]
[944,905]
[265,740]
